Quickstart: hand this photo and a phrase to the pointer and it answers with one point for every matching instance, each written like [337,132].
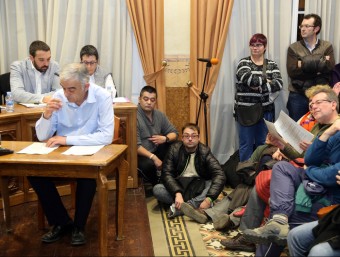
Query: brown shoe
[238,243]
[223,223]
[196,215]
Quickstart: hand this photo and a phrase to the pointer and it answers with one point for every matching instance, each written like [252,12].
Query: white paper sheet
[29,105]
[120,100]
[83,150]
[38,148]
[289,130]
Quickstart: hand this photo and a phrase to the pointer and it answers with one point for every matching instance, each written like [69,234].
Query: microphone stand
[204,96]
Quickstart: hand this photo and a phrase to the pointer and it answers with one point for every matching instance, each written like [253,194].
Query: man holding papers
[290,205]
[79,114]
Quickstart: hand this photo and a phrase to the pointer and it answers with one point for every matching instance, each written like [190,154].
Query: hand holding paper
[288,130]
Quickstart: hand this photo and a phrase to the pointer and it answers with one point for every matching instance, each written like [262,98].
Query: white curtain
[329,11]
[270,17]
[66,26]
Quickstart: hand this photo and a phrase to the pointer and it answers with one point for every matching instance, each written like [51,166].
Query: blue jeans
[297,105]
[253,136]
[300,239]
[162,195]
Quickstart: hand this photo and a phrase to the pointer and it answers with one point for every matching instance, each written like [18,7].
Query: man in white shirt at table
[79,114]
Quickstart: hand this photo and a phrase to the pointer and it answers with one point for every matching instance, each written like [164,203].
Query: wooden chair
[117,139]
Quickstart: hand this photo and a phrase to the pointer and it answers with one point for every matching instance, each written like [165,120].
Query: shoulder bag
[250,115]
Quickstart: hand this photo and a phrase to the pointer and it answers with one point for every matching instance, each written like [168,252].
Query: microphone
[213,61]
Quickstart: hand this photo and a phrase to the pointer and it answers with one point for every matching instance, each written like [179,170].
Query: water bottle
[109,89]
[9,102]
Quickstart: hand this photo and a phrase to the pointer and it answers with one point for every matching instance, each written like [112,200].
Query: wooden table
[108,160]
[20,126]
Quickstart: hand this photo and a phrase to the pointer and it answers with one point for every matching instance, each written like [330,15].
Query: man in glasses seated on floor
[191,178]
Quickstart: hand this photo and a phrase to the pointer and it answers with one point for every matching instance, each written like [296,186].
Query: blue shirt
[91,123]
[323,161]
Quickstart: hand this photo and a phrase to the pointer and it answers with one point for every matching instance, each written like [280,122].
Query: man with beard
[35,79]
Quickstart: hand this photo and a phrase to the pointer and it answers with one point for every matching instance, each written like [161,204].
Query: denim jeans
[300,239]
[162,195]
[297,105]
[253,136]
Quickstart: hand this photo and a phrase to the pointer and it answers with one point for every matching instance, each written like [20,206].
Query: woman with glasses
[257,78]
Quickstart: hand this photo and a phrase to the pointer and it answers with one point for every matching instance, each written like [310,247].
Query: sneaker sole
[192,213]
[265,239]
[240,248]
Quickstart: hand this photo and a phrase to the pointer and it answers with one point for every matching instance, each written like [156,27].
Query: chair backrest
[4,86]
[116,135]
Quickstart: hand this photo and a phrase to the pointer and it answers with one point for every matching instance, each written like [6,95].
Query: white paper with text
[290,131]
[37,148]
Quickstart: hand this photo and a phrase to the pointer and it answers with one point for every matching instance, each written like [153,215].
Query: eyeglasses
[256,45]
[89,63]
[306,26]
[318,102]
[187,136]
[146,99]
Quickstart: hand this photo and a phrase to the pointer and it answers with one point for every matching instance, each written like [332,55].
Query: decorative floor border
[177,235]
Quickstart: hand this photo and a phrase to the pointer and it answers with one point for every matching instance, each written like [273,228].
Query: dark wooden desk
[108,160]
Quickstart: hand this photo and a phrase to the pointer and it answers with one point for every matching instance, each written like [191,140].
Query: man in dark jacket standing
[309,62]
[192,178]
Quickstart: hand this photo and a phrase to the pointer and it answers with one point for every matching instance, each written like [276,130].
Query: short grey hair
[75,71]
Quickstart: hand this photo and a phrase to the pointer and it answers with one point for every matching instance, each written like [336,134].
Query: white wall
[176,27]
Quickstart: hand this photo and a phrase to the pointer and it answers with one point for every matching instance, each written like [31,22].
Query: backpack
[229,168]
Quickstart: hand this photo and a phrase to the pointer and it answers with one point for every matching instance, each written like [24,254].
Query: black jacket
[206,166]
[328,229]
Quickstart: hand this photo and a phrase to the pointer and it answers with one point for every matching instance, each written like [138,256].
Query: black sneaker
[238,243]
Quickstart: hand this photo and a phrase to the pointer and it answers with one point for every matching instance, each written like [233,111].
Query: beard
[41,69]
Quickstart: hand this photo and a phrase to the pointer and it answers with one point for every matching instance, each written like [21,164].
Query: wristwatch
[167,140]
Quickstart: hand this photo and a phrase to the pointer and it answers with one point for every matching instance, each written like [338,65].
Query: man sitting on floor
[192,177]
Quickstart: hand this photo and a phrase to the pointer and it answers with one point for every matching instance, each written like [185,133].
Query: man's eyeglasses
[318,102]
[256,45]
[187,136]
[89,63]
[306,26]
[146,99]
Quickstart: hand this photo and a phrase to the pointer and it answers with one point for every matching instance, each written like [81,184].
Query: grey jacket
[23,85]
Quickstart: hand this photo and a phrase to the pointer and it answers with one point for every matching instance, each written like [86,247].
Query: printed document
[289,131]
[38,148]
[83,150]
